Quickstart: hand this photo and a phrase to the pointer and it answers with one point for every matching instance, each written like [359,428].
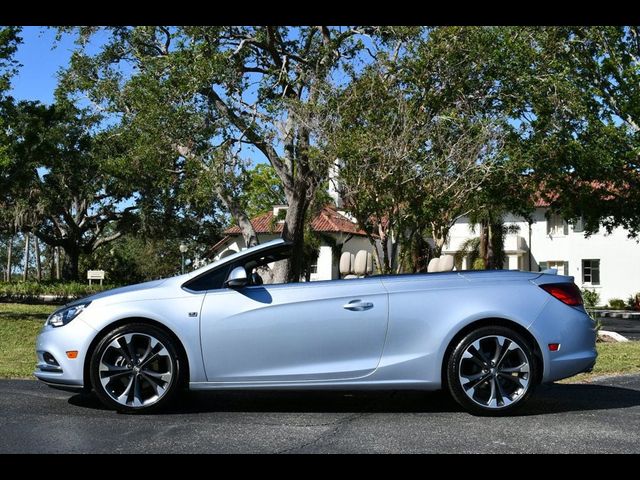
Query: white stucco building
[606,263]
[335,226]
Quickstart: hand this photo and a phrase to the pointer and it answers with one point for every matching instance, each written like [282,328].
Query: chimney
[279,208]
[334,183]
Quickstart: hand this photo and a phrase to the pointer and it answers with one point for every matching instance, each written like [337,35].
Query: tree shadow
[548,399]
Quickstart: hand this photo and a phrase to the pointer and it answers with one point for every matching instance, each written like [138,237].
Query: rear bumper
[574,330]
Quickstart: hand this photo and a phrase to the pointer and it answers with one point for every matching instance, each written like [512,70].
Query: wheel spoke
[124,396]
[158,385]
[501,398]
[499,347]
[513,378]
[492,394]
[124,349]
[505,348]
[151,344]
[476,380]
[522,368]
[112,371]
[137,395]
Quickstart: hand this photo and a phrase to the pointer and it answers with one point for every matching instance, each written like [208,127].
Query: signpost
[95,275]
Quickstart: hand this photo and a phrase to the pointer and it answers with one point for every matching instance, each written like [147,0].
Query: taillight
[567,293]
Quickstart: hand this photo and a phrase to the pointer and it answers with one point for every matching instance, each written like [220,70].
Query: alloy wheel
[136,370]
[494,372]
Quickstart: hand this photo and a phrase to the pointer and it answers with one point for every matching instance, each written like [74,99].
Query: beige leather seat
[445,263]
[356,266]
[433,265]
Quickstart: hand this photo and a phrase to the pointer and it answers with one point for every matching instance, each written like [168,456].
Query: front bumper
[574,330]
[52,344]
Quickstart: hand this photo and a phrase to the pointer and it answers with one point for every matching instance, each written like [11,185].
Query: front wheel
[135,368]
[491,371]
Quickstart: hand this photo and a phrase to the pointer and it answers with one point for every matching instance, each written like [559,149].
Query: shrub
[633,302]
[617,304]
[591,298]
[33,290]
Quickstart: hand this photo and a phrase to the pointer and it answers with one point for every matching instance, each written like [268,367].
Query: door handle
[358,305]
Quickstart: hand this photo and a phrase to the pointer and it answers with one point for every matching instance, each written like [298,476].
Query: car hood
[122,292]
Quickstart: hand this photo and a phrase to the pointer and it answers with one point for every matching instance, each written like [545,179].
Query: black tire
[497,382]
[171,362]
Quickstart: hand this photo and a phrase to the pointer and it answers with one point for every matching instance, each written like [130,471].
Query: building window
[591,272]
[561,266]
[313,268]
[578,225]
[556,225]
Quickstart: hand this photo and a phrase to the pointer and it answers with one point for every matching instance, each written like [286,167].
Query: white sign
[95,275]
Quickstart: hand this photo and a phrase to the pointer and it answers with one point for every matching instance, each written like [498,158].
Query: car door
[327,330]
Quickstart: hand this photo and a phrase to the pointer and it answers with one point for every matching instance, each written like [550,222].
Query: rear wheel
[136,368]
[491,371]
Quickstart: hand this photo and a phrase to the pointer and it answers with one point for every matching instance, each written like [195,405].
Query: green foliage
[633,302]
[9,41]
[591,298]
[32,290]
[478,264]
[262,189]
[134,259]
[617,304]
[68,187]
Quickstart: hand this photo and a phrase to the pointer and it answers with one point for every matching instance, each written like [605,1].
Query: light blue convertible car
[487,336]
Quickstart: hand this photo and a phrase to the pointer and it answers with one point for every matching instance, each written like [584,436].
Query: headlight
[64,316]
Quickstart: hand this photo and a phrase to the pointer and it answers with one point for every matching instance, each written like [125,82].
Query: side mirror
[237,278]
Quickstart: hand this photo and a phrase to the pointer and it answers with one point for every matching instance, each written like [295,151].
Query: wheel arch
[493,322]
[124,321]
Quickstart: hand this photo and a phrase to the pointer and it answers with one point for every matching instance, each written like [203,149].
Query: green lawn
[19,325]
[613,358]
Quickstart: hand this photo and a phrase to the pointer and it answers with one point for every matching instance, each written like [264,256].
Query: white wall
[619,256]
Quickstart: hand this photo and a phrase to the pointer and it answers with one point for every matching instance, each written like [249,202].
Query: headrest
[445,264]
[345,263]
[360,265]
[433,265]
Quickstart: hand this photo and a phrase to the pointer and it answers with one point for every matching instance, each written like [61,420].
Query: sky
[36,78]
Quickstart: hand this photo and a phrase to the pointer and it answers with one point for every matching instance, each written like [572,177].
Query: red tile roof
[599,188]
[328,220]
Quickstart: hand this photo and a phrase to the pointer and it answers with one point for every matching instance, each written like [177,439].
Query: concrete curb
[615,336]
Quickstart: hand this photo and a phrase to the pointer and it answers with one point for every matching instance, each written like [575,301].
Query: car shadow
[548,399]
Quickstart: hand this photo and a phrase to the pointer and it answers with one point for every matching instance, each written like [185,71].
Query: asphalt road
[599,417]
[626,327]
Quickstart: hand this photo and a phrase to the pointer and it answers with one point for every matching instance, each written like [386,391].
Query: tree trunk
[25,268]
[490,253]
[248,232]
[483,249]
[291,269]
[36,251]
[70,267]
[9,259]
[57,255]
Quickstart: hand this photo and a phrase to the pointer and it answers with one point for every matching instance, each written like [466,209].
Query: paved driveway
[630,328]
[600,417]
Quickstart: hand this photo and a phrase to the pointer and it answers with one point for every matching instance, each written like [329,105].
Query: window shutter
[578,226]
[543,266]
[566,268]
[549,225]
[565,225]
